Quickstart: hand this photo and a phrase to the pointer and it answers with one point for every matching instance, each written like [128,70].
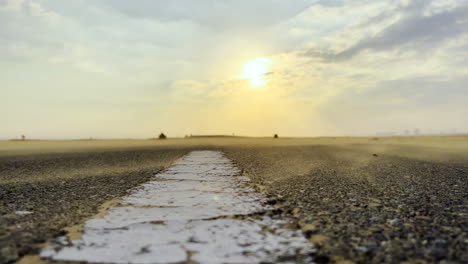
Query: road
[198,210]
[361,200]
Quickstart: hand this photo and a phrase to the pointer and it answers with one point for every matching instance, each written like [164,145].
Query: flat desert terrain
[362,200]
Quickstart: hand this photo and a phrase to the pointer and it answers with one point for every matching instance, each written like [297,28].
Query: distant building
[385,134]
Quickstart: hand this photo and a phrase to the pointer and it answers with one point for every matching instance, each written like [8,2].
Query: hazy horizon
[131,69]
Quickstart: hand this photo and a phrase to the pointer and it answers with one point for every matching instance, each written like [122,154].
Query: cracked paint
[190,213]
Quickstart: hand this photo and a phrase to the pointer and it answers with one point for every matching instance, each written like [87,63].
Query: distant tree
[162,136]
[416,132]
[275,136]
[23,137]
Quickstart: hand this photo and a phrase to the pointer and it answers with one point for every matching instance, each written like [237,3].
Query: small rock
[23,213]
[394,221]
[375,205]
[309,226]
[318,239]
[361,249]
[296,211]
[439,242]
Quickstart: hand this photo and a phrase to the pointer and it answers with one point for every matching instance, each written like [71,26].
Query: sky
[133,69]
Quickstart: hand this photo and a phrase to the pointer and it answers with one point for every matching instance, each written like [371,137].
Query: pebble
[23,213]
[394,221]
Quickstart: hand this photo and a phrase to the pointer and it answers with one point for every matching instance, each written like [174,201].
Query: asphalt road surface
[357,200]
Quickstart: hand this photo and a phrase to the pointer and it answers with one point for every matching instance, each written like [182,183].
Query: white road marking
[186,214]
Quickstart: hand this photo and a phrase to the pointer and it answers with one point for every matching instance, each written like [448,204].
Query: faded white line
[186,215]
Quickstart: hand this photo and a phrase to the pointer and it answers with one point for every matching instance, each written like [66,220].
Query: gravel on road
[360,206]
[40,194]
[359,200]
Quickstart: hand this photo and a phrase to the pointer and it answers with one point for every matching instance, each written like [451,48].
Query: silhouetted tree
[23,137]
[275,136]
[162,136]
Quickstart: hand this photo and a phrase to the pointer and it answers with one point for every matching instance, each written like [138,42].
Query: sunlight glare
[255,71]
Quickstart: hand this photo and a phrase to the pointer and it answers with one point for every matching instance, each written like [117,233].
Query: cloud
[218,15]
[335,63]
[415,29]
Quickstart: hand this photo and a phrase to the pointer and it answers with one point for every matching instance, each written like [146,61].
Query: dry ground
[359,199]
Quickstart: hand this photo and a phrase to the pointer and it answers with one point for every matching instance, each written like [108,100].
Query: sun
[255,70]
